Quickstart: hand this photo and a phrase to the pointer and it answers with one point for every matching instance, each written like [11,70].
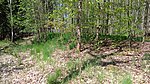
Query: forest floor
[105,66]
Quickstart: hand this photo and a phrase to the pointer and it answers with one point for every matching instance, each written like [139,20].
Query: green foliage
[111,17]
[116,22]
[54,40]
[114,37]
[44,49]
[43,37]
[67,38]
[72,45]
[62,39]
[52,35]
[87,37]
[90,37]
[127,80]
[138,39]
[71,65]
[101,77]
[53,78]
[4,43]
[147,39]
[41,50]
[147,56]
[46,52]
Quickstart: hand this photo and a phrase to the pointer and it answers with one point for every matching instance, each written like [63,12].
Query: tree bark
[79,25]
[11,21]
[145,19]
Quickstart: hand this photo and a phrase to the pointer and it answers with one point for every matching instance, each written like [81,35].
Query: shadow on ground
[96,61]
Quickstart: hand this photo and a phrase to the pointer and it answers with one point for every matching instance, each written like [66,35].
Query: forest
[74,41]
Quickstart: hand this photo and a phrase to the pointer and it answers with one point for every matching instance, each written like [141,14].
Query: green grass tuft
[147,56]
[53,79]
[101,77]
[127,80]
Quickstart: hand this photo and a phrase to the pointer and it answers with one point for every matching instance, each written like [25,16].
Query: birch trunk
[79,25]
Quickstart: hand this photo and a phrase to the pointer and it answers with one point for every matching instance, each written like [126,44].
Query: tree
[146,14]
[4,28]
[84,17]
[79,15]
[11,20]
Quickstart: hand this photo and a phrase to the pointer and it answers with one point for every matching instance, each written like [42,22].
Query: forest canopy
[21,18]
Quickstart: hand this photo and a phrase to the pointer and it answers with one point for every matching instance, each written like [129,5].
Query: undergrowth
[127,80]
[53,78]
[4,43]
[43,50]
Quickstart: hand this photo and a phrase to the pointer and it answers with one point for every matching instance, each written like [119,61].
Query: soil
[27,70]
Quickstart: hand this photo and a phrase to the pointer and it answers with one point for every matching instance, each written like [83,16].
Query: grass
[145,62]
[127,80]
[99,73]
[57,40]
[53,78]
[146,56]
[42,50]
[75,68]
[4,43]
[46,49]
[71,65]
[147,39]
[91,68]
[101,77]
[86,37]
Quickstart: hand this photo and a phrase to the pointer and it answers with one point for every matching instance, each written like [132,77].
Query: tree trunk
[79,25]
[107,21]
[128,15]
[11,21]
[145,19]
